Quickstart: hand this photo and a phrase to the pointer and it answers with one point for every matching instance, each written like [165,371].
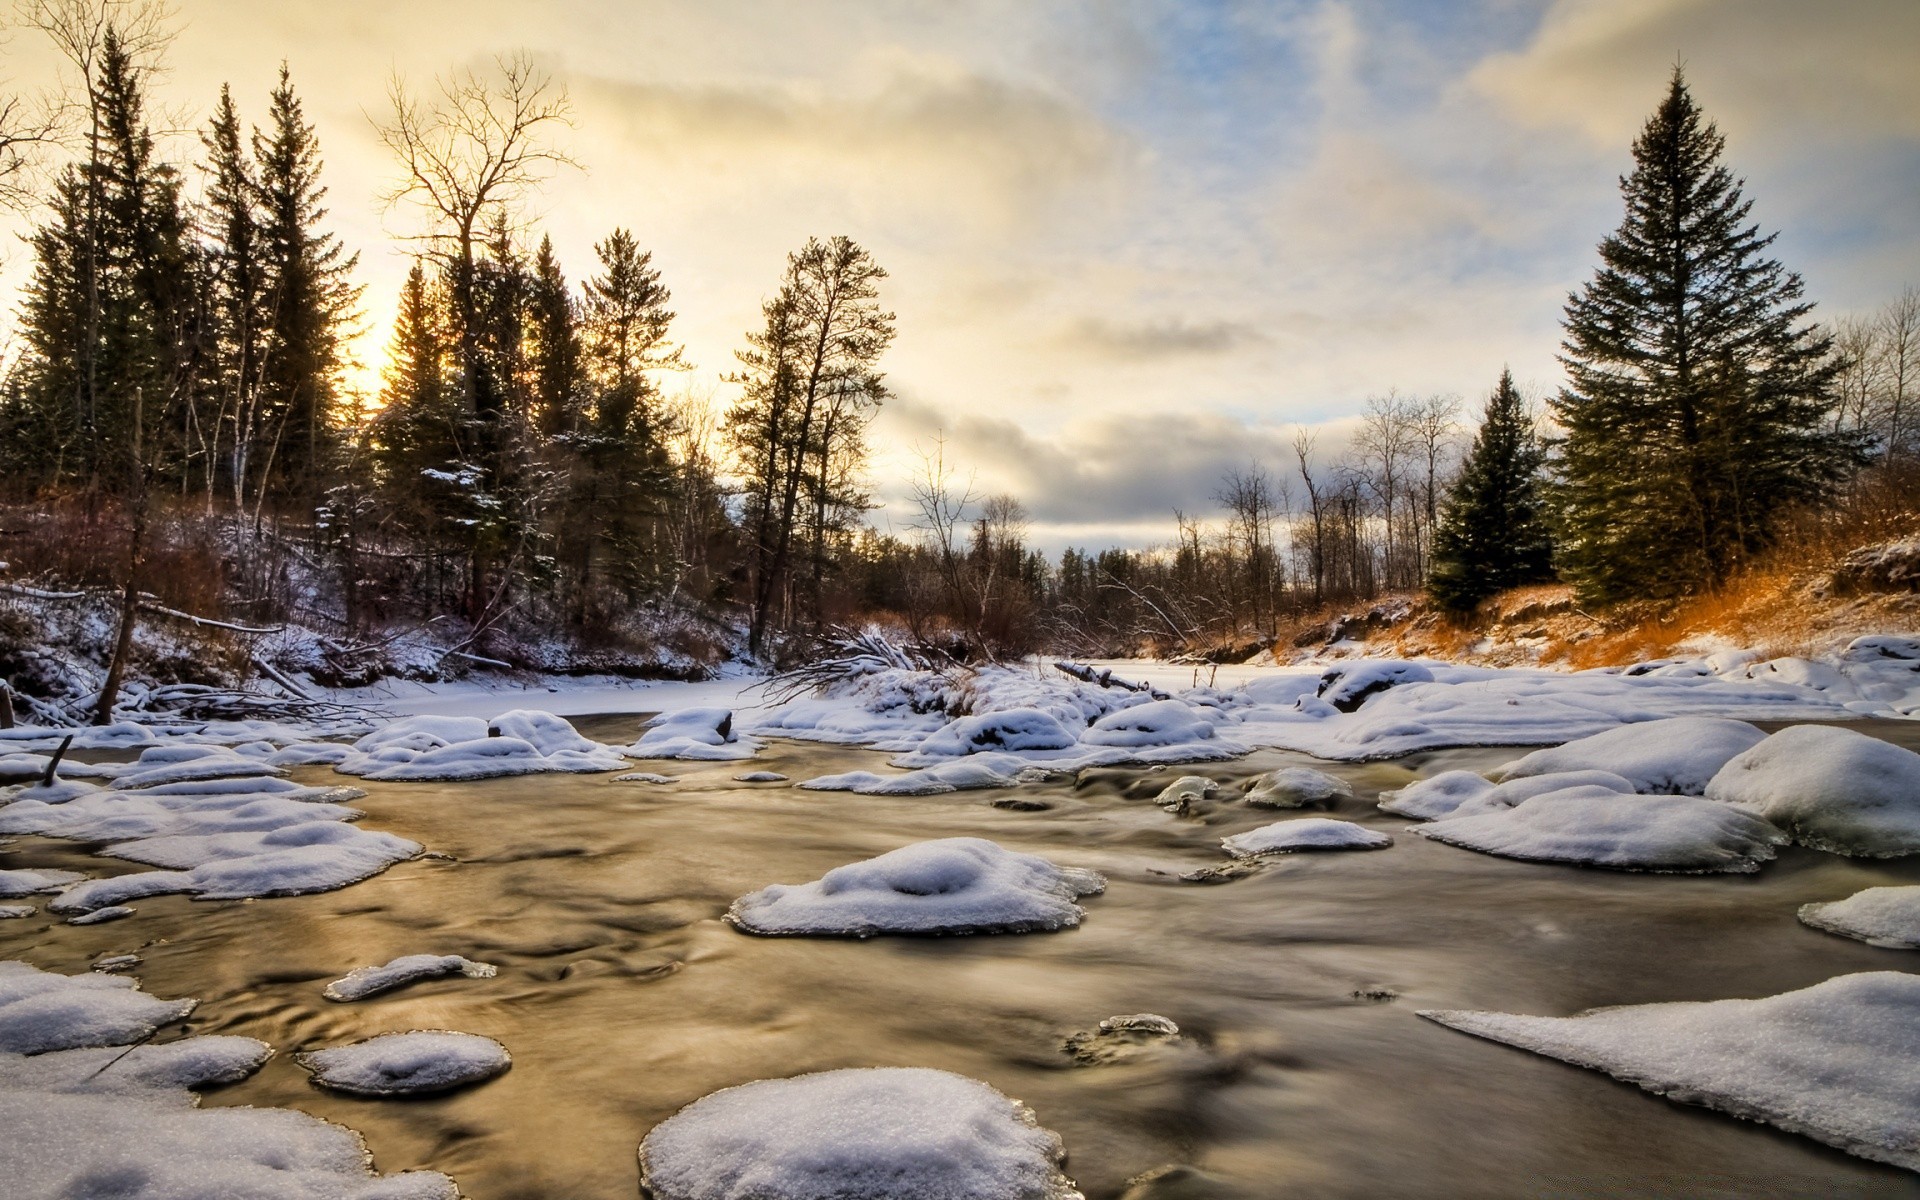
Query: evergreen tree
[1493,533]
[554,356]
[1698,398]
[311,297]
[238,294]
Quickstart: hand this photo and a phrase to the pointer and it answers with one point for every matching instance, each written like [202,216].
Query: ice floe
[889,1133]
[1676,755]
[1297,787]
[1882,916]
[703,734]
[1599,827]
[946,886]
[1831,788]
[123,1120]
[407,1064]
[1304,833]
[1835,1061]
[362,982]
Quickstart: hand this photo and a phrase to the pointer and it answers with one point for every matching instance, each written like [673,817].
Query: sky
[1132,246]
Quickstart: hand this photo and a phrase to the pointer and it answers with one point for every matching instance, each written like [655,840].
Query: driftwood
[1107,679]
[53,763]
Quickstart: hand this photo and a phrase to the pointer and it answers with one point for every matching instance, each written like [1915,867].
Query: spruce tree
[1493,532]
[1698,392]
[238,294]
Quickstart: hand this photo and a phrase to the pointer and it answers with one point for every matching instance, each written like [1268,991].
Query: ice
[31,882]
[1882,916]
[1157,723]
[1599,827]
[117,1121]
[10,912]
[946,886]
[1464,794]
[1831,788]
[362,982]
[1014,729]
[1677,755]
[886,1133]
[700,734]
[1297,787]
[1835,1061]
[522,742]
[1185,793]
[100,916]
[42,1011]
[407,1064]
[1119,1039]
[1304,833]
[760,777]
[1346,687]
[644,777]
[978,771]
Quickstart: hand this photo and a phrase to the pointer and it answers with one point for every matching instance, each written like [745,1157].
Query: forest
[532,485]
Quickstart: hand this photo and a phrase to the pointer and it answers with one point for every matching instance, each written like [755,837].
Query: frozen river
[1302,1069]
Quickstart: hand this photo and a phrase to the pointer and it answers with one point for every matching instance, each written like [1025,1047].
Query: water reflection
[1301,1069]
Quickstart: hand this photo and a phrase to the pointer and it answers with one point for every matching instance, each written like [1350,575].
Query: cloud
[1166,337]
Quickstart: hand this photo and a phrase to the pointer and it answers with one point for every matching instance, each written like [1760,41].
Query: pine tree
[1698,396]
[553,353]
[312,298]
[238,294]
[1493,533]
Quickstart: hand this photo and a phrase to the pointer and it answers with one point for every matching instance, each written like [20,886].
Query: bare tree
[1252,500]
[1858,343]
[1434,431]
[1899,330]
[942,514]
[1303,446]
[1386,446]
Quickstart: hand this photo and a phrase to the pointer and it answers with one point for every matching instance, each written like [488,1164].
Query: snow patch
[407,1064]
[1598,827]
[362,982]
[1888,917]
[1304,833]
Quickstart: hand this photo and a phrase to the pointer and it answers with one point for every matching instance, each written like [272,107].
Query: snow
[1304,833]
[362,982]
[702,734]
[1297,787]
[1834,1061]
[1679,754]
[946,886]
[1882,916]
[1347,686]
[85,1122]
[891,1133]
[407,1064]
[521,742]
[1464,794]
[760,777]
[1014,729]
[42,1011]
[1831,788]
[644,777]
[1599,827]
[1158,723]
[100,916]
[31,882]
[1183,794]
[9,912]
[289,860]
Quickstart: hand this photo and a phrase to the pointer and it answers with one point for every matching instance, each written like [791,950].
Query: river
[1303,1070]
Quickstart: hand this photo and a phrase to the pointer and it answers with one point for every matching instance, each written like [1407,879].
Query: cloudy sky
[1132,245]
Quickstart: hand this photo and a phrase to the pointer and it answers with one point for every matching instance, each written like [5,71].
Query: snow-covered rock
[946,886]
[1156,723]
[407,1064]
[1118,1039]
[1834,1062]
[191,763]
[291,860]
[1464,794]
[760,777]
[895,1133]
[1676,755]
[1184,794]
[13,912]
[1347,686]
[1831,788]
[362,982]
[699,734]
[1304,833]
[100,916]
[959,775]
[1888,917]
[32,881]
[1297,787]
[1014,729]
[42,1010]
[521,742]
[1598,827]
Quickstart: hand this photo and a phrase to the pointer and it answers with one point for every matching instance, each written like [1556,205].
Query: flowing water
[1303,1070]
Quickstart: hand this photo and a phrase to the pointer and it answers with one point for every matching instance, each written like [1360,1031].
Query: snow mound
[1156,723]
[1676,755]
[702,734]
[362,982]
[522,742]
[946,886]
[407,1064]
[10,912]
[1297,787]
[42,1011]
[1882,916]
[1304,833]
[892,1133]
[1831,788]
[1598,827]
[1014,729]
[967,774]
[1464,794]
[1346,687]
[291,860]
[1834,1062]
[190,763]
[1185,793]
[31,881]
[124,1122]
